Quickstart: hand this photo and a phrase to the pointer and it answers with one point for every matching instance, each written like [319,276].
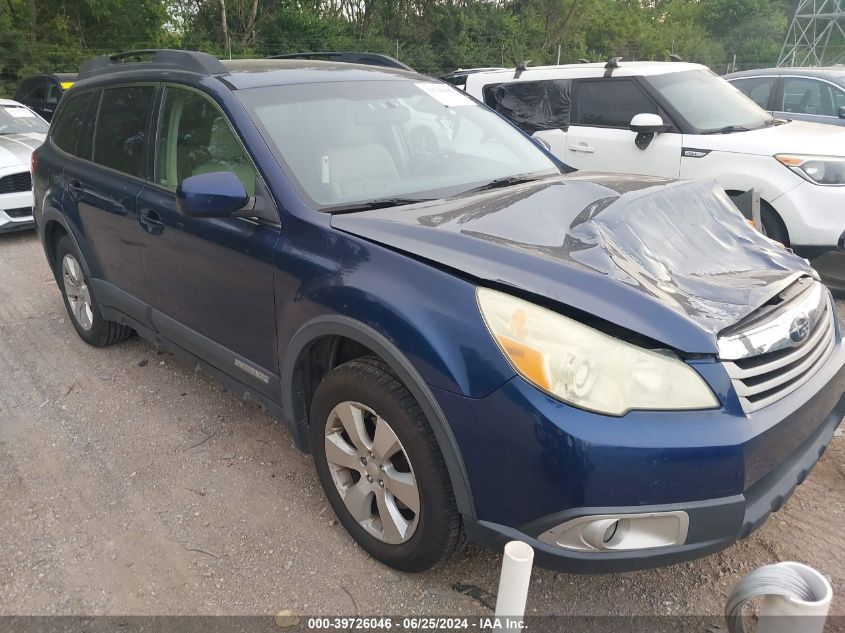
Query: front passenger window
[195,138]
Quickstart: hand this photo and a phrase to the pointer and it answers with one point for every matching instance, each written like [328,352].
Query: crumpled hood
[673,261]
[16,149]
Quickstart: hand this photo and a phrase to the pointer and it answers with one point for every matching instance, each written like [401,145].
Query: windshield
[708,102]
[20,120]
[350,142]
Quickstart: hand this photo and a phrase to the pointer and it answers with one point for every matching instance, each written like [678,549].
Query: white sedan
[21,131]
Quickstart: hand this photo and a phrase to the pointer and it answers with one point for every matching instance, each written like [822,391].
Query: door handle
[582,147]
[75,189]
[151,221]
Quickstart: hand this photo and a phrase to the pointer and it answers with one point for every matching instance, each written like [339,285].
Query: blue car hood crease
[671,260]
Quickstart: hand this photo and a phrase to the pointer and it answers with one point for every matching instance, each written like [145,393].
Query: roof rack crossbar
[521,67]
[188,61]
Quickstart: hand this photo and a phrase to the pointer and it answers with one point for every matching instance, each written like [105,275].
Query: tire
[773,226]
[81,304]
[366,392]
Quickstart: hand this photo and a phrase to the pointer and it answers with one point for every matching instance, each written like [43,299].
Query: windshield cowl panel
[361,143]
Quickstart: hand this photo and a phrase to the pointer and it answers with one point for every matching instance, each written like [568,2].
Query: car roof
[827,72]
[576,71]
[10,102]
[62,77]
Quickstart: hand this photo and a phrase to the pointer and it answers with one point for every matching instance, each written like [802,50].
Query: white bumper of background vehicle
[15,210]
[814,215]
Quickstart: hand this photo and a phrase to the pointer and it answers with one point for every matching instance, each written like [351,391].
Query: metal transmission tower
[817,34]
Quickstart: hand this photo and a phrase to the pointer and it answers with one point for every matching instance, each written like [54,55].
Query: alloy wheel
[372,472]
[77,292]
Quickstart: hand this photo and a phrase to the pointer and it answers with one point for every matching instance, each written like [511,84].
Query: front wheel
[381,468]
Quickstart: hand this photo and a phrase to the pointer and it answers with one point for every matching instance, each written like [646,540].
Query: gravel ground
[132,485]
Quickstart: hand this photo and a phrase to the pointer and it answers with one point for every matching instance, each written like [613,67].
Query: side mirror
[646,126]
[842,112]
[218,194]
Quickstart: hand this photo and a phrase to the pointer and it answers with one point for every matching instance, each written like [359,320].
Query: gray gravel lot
[132,485]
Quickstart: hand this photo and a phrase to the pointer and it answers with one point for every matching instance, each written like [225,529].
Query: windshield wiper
[729,129]
[369,205]
[507,181]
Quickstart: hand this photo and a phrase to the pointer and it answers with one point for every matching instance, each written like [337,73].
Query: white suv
[680,120]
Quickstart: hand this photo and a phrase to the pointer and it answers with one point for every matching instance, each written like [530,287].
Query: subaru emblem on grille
[799,329]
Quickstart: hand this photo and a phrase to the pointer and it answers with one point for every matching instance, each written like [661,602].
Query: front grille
[15,183]
[759,380]
[20,212]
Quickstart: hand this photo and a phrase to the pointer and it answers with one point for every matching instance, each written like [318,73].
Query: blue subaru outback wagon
[472,344]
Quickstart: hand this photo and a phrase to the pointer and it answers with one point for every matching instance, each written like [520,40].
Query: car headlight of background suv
[821,170]
[587,368]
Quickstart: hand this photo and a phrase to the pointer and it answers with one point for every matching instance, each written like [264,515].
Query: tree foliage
[430,35]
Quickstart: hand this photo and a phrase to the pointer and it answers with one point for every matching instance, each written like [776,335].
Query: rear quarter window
[532,105]
[69,122]
[120,137]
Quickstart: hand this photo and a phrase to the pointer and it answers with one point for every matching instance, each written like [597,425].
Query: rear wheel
[80,302]
[381,468]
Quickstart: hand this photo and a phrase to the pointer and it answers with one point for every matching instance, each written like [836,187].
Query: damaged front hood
[673,261]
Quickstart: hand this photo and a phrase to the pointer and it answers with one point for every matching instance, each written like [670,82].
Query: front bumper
[536,463]
[16,212]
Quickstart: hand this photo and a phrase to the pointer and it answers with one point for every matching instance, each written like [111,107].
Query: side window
[807,96]
[611,103]
[52,94]
[839,97]
[121,128]
[533,105]
[758,89]
[194,138]
[69,122]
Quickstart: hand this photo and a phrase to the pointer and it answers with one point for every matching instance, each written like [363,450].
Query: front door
[211,280]
[599,138]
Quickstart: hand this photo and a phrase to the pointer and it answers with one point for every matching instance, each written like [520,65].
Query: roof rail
[349,57]
[164,59]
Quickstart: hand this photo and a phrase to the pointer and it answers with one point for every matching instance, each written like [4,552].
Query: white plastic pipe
[795,598]
[513,585]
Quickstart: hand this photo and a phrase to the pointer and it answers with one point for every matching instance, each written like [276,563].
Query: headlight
[586,368]
[822,170]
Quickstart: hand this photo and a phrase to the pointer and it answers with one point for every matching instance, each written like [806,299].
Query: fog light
[620,532]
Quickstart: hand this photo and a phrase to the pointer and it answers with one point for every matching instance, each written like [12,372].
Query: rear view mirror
[646,126]
[217,194]
[842,112]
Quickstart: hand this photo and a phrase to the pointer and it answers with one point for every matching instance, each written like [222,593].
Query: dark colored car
[615,369]
[814,94]
[42,93]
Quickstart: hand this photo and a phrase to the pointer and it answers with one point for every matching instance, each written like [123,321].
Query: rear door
[211,279]
[101,191]
[599,138]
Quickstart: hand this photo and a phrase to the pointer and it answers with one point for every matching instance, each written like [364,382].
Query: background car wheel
[773,226]
[381,468]
[80,302]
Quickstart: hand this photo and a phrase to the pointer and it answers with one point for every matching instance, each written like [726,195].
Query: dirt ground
[132,485]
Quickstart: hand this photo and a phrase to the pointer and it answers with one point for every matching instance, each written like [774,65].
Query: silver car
[21,132]
[814,94]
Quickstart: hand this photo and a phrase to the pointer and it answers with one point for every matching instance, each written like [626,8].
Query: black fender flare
[338,325]
[49,216]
